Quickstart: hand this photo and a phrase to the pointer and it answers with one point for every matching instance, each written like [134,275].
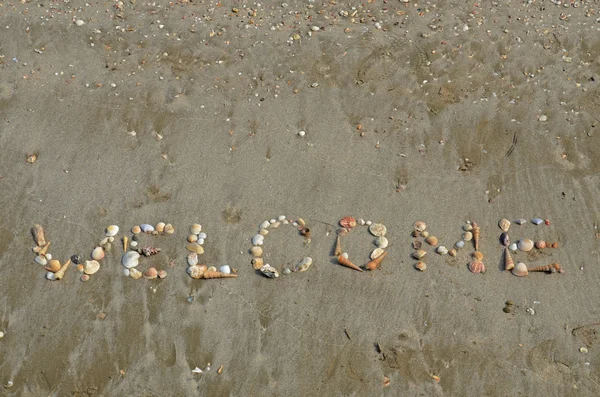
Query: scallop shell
[151,274]
[112,230]
[420,266]
[195,228]
[520,270]
[195,247]
[441,250]
[504,225]
[377,252]
[467,236]
[378,229]
[381,242]
[169,229]
[269,271]
[419,226]
[418,254]
[476,266]
[520,221]
[348,222]
[256,251]
[525,245]
[258,239]
[537,221]
[98,253]
[135,273]
[431,240]
[130,259]
[304,264]
[91,267]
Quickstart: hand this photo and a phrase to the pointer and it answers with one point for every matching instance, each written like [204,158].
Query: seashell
[525,244]
[264,225]
[419,226]
[44,249]
[554,244]
[417,244]
[196,228]
[281,217]
[160,227]
[269,271]
[196,272]
[478,256]
[125,242]
[192,259]
[285,222]
[50,276]
[424,234]
[513,247]
[520,221]
[381,242]
[476,236]
[169,229]
[509,264]
[505,239]
[149,251]
[38,235]
[418,254]
[301,222]
[192,238]
[551,268]
[214,274]
[112,230]
[441,250]
[343,232]
[98,253]
[130,259]
[258,239]
[504,225]
[337,251]
[61,272]
[452,252]
[467,227]
[91,267]
[110,239]
[537,221]
[305,232]
[40,260]
[459,244]
[136,229]
[79,268]
[53,266]
[344,261]
[420,266]
[273,220]
[376,253]
[256,251]
[48,255]
[257,263]
[76,259]
[202,236]
[162,274]
[135,273]
[467,236]
[520,270]
[134,244]
[146,228]
[378,229]
[540,244]
[195,247]
[476,266]
[348,222]
[225,269]
[360,221]
[200,241]
[103,241]
[368,223]
[304,264]
[263,232]
[150,274]
[374,264]
[36,249]
[286,271]
[85,277]
[431,240]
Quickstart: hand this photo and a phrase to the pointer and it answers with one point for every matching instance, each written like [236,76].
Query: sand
[190,112]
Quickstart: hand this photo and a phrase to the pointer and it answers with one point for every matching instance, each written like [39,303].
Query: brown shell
[210,275]
[475,232]
[53,266]
[417,244]
[338,247]
[151,273]
[348,222]
[420,266]
[374,264]
[38,234]
[478,256]
[346,262]
[509,264]
[551,268]
[431,240]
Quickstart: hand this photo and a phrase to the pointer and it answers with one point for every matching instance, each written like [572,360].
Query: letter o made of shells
[377,230]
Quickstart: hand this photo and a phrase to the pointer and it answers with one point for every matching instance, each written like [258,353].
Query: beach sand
[189,112]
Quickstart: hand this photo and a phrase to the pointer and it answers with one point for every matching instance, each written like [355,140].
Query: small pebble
[1,334]
[543,117]
[286,271]
[583,350]
[79,22]
[301,133]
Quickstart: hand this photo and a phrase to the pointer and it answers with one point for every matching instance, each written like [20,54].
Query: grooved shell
[257,263]
[169,229]
[348,222]
[196,271]
[377,252]
[419,226]
[504,225]
[378,229]
[477,256]
[91,267]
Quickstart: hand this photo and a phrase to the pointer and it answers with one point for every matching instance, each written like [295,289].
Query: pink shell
[477,267]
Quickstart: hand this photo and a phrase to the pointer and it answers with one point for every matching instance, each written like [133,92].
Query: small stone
[301,134]
[286,271]
[583,350]
[1,334]
[543,117]
[79,22]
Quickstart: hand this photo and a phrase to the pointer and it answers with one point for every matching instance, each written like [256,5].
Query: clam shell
[452,252]
[275,225]
[53,266]
[151,274]
[505,239]
[160,227]
[381,242]
[257,263]
[509,264]
[91,267]
[135,273]
[378,229]
[258,239]
[304,264]
[377,252]
[169,229]
[263,232]
[441,250]
[432,240]
[40,260]
[196,228]
[467,236]
[520,270]
[525,245]
[146,228]
[49,255]
[212,269]
[98,253]
[103,241]
[130,259]
[195,247]
[360,221]
[420,266]
[537,221]
[192,259]
[476,266]
[50,276]
[136,229]
[513,247]
[112,230]
[520,221]
[85,277]
[504,225]
[459,244]
[202,236]
[417,244]
[264,225]
[419,226]
[477,256]
[256,251]
[279,218]
[225,269]
[424,234]
[467,227]
[269,271]
[192,238]
[162,274]
[418,254]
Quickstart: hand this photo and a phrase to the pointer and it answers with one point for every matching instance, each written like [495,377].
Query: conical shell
[91,267]
[509,264]
[338,247]
[38,235]
[53,266]
[374,264]
[432,240]
[476,236]
[520,270]
[61,272]
[419,254]
[125,242]
[212,274]
[346,262]
[44,249]
[551,268]
[160,227]
[504,225]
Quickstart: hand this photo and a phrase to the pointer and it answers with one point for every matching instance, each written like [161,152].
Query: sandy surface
[228,93]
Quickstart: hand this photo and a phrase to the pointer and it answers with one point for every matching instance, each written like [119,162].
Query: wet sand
[190,112]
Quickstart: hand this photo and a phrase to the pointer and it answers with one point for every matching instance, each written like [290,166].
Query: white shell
[126,272]
[381,242]
[360,221]
[195,271]
[441,250]
[195,228]
[525,244]
[459,244]
[273,220]
[467,236]
[133,244]
[105,240]
[202,236]
[130,259]
[192,259]
[98,253]
[304,264]
[345,255]
[264,225]
[48,256]
[468,227]
[112,230]
[513,247]
[378,229]
[50,276]
[91,267]
[225,269]
[40,260]
[377,252]
[368,223]
[258,239]
[146,228]
[281,217]
[269,271]
[200,241]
